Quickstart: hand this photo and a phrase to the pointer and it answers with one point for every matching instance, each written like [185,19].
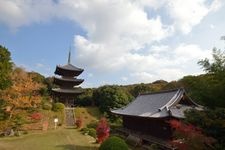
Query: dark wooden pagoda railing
[147,138]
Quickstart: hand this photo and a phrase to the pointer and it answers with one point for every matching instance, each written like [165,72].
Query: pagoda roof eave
[69,79]
[67,91]
[70,67]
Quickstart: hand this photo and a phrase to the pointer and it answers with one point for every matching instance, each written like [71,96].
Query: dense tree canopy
[110,97]
[212,121]
[141,88]
[208,89]
[5,68]
[37,77]
[24,92]
[85,99]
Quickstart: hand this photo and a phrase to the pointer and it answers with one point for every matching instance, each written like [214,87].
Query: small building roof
[170,103]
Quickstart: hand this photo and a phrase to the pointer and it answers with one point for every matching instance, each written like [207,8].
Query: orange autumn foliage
[24,91]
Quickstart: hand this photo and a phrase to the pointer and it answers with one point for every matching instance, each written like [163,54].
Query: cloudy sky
[115,41]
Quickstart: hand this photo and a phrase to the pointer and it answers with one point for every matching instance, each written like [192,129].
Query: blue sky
[115,41]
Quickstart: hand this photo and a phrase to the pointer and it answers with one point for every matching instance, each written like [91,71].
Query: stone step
[69,117]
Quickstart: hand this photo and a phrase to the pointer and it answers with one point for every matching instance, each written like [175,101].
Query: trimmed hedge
[92,124]
[113,143]
[57,107]
[46,106]
[92,132]
[89,131]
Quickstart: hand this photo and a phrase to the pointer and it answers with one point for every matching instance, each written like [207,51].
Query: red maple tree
[102,130]
[36,116]
[79,122]
[189,137]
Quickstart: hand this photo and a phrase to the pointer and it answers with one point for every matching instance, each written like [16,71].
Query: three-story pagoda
[67,83]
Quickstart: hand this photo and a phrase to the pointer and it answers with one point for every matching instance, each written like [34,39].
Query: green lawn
[60,139]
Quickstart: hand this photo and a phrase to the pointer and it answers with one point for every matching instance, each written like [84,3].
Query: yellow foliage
[24,91]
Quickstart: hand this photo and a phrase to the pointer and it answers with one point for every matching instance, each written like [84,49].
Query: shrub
[18,121]
[134,140]
[79,122]
[25,132]
[187,136]
[17,133]
[89,131]
[57,107]
[4,125]
[36,116]
[102,130]
[46,106]
[85,131]
[211,121]
[113,143]
[92,132]
[92,124]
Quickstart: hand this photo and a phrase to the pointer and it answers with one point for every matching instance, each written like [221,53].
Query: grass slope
[60,139]
[88,114]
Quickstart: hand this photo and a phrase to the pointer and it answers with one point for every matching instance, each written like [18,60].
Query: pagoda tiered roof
[66,92]
[67,81]
[68,70]
[71,91]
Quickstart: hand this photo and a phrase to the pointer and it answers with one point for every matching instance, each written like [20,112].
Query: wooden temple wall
[155,127]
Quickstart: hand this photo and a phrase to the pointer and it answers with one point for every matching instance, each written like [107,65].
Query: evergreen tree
[110,97]
[5,68]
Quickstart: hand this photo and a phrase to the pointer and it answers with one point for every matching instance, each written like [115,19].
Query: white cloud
[124,78]
[114,38]
[187,14]
[211,26]
[15,13]
[114,34]
[174,64]
[39,65]
[170,74]
[121,35]
[90,75]
[185,53]
[142,77]
[216,4]
[98,17]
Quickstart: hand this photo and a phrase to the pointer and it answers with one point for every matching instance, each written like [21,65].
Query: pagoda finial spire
[69,56]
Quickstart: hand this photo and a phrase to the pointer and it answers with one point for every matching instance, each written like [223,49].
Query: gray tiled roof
[178,112]
[70,67]
[156,105]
